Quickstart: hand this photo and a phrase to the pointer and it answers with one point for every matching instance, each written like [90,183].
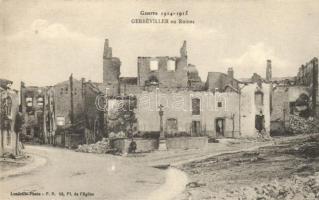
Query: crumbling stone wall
[218,80]
[111,68]
[62,100]
[164,76]
[279,103]
[308,76]
[281,97]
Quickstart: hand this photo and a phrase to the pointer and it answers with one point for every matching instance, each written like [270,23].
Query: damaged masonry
[168,103]
[167,115]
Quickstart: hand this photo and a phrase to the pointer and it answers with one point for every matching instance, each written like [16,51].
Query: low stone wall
[142,145]
[187,143]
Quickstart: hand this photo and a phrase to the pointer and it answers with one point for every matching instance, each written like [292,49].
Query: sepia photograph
[159,100]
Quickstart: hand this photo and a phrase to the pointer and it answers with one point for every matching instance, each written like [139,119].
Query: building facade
[37,107]
[171,81]
[189,113]
[308,76]
[10,121]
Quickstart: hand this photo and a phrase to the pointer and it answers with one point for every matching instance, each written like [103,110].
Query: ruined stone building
[218,107]
[9,119]
[294,97]
[308,76]
[64,114]
[37,110]
[94,115]
[78,119]
[67,113]
[284,100]
[111,70]
[190,113]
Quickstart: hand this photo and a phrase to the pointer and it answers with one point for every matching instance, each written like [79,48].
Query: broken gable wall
[219,80]
[166,78]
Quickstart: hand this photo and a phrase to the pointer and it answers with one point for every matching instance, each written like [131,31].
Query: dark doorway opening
[36,132]
[196,128]
[171,126]
[220,127]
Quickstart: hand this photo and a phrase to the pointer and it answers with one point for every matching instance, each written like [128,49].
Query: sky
[42,42]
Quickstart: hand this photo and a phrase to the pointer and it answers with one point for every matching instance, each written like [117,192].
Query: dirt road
[287,170]
[107,176]
[90,176]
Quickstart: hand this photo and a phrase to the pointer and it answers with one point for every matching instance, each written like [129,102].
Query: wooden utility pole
[44,127]
[71,100]
[1,121]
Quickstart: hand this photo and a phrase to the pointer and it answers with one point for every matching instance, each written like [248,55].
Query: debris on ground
[100,147]
[195,184]
[295,188]
[300,125]
[289,169]
[212,140]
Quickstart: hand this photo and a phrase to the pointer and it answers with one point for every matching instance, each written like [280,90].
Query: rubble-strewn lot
[287,170]
[102,146]
[299,125]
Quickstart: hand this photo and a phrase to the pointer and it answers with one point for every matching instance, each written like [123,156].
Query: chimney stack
[107,49]
[268,71]
[230,72]
[183,50]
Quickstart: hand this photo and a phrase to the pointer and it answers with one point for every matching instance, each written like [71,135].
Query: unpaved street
[110,177]
[283,168]
[98,176]
[287,170]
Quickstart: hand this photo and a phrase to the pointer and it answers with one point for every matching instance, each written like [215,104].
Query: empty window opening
[196,106]
[171,65]
[259,98]
[28,101]
[154,65]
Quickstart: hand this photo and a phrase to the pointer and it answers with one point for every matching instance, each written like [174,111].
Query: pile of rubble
[300,125]
[294,188]
[102,146]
